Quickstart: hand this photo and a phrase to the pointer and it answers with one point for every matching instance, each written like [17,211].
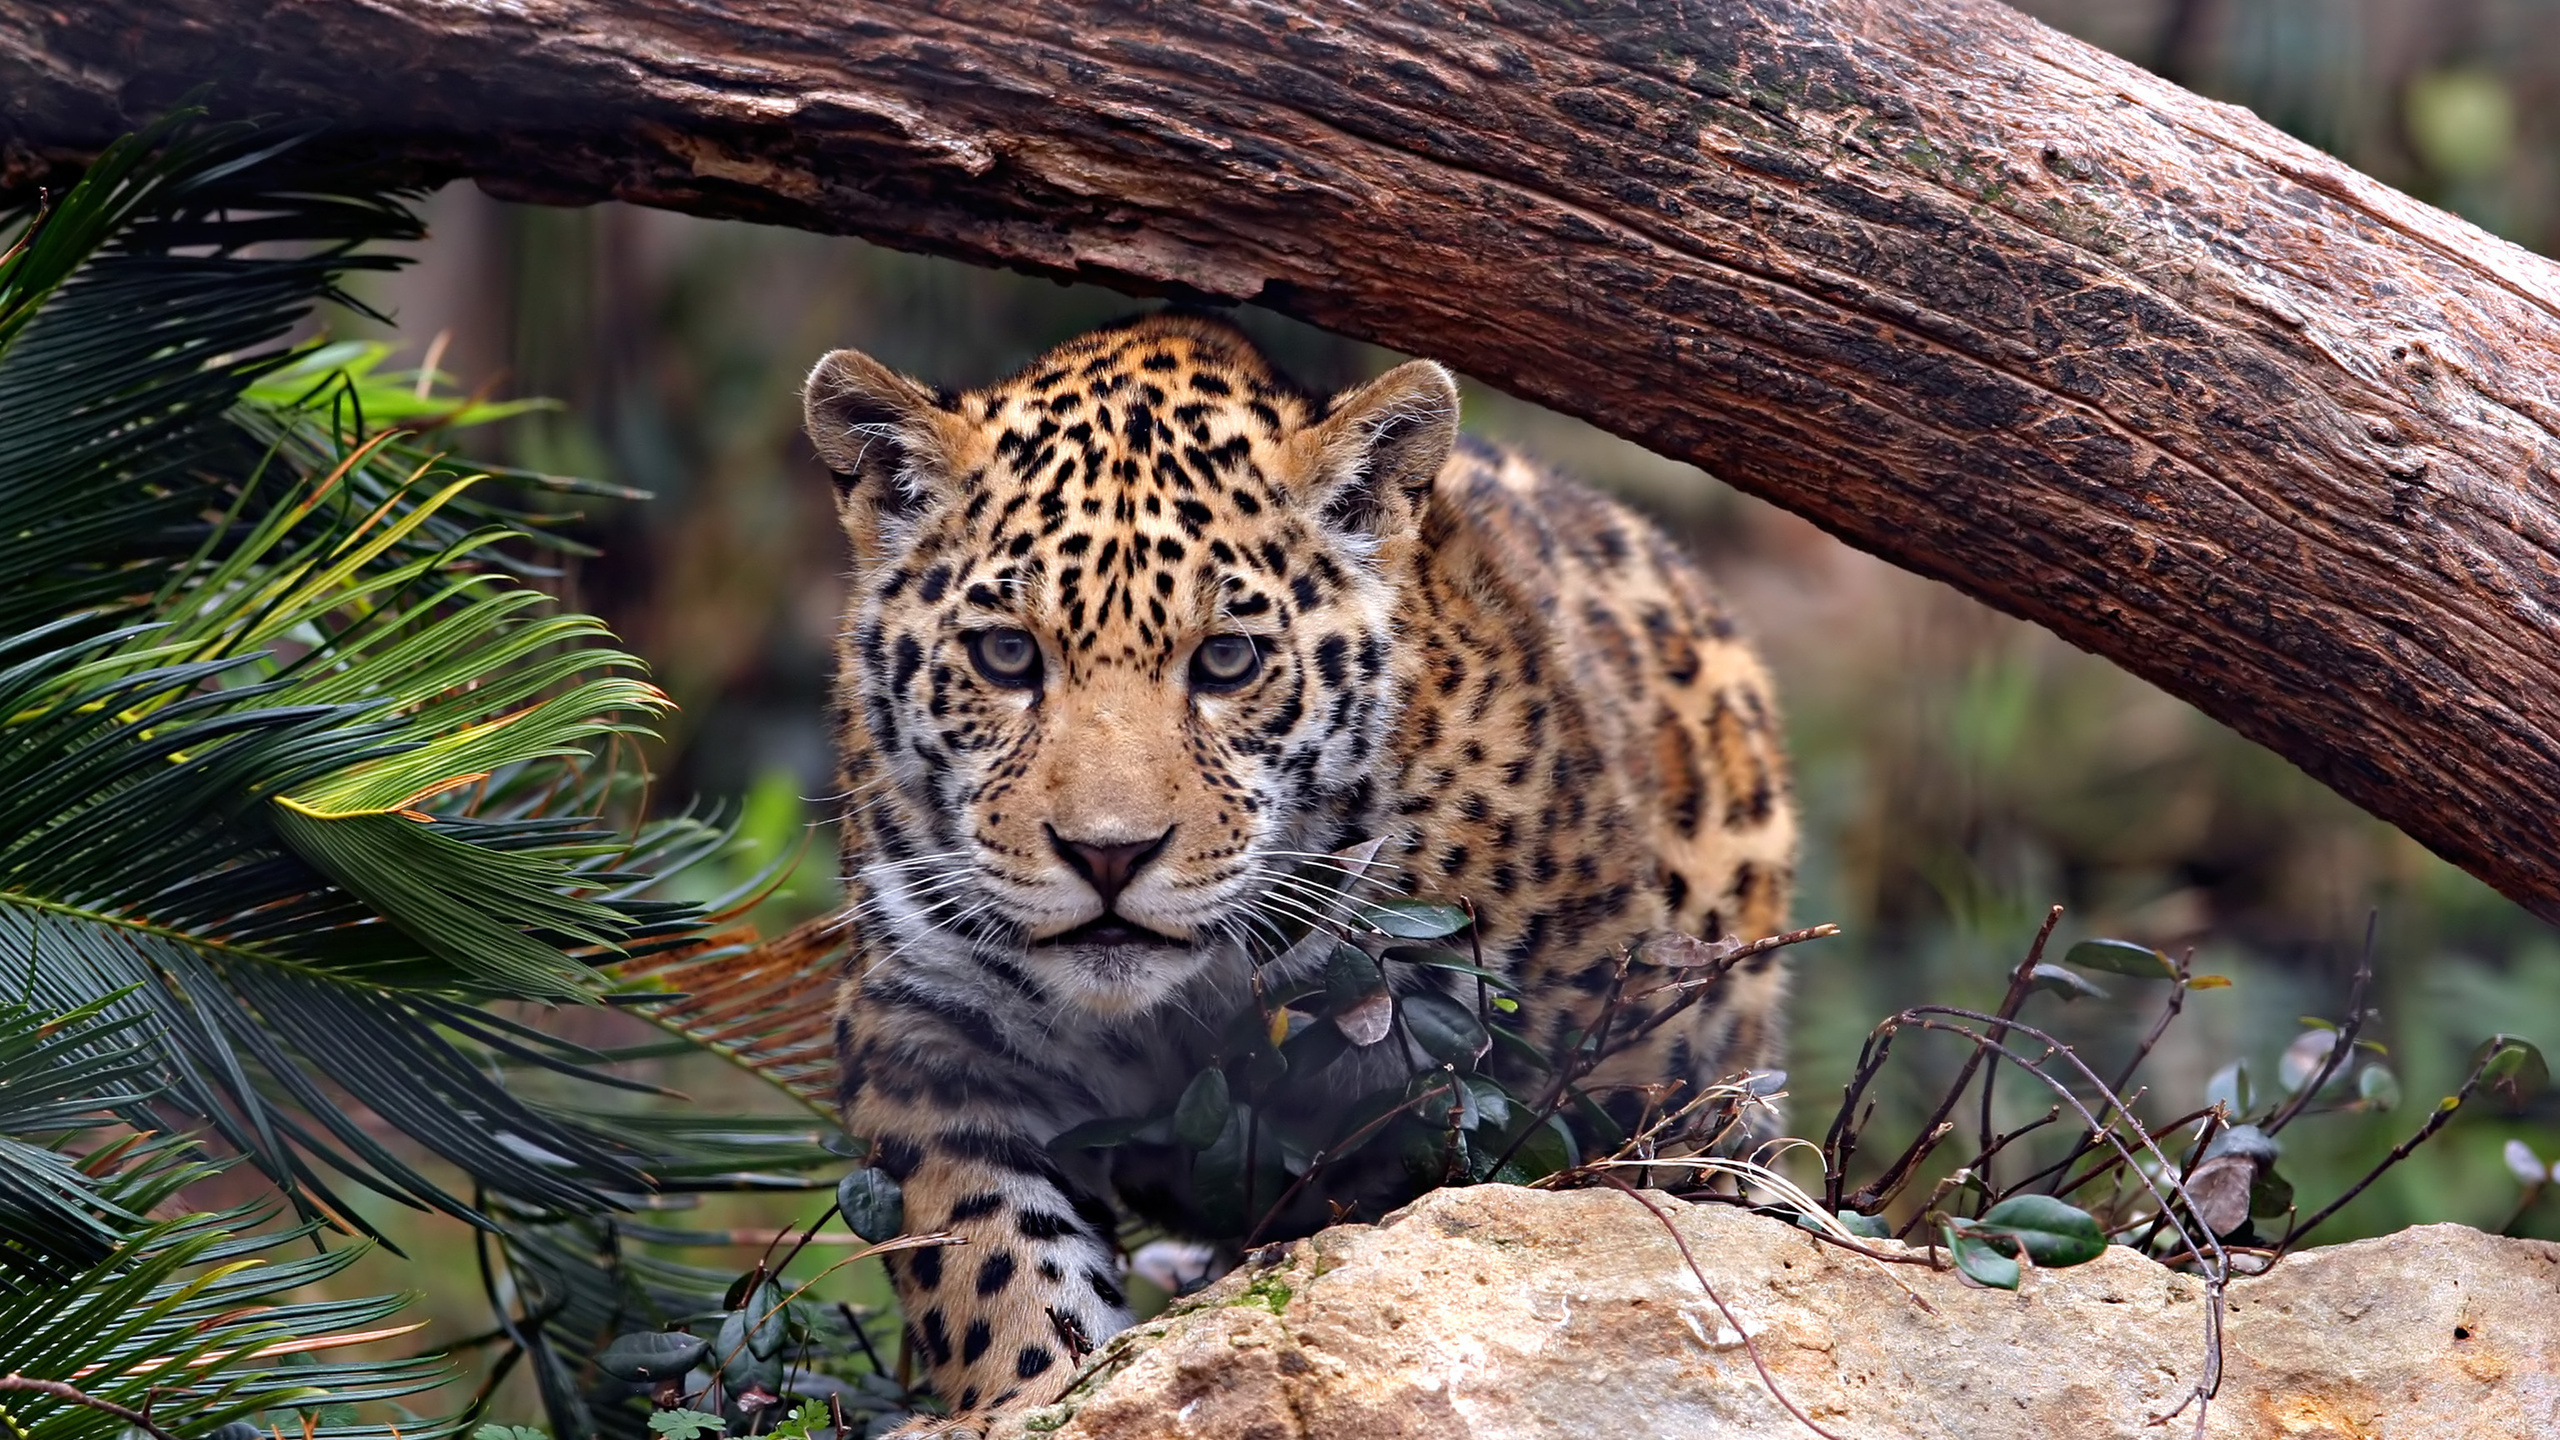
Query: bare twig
[805,1237]
[1920,1151]
[1694,985]
[62,1390]
[2345,1044]
[1722,1308]
[862,1337]
[2020,983]
[1317,1162]
[2436,1121]
[1587,1053]
[2169,1013]
[2003,1142]
[2217,1266]
[1842,1140]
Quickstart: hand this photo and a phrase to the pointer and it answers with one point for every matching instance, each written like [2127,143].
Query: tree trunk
[1968,294]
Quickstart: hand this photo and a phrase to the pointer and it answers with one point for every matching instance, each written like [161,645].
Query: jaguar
[1139,638]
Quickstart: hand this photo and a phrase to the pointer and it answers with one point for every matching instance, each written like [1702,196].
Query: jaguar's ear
[1369,463]
[888,440]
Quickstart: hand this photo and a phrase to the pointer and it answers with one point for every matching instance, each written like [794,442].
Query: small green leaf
[649,1355]
[2229,1088]
[2208,982]
[1201,1116]
[1415,919]
[2053,979]
[686,1424]
[1489,1103]
[873,1205]
[2271,1195]
[2121,957]
[1355,993]
[2512,1069]
[2378,1088]
[1865,1227]
[1446,1030]
[2526,1166]
[1547,1149]
[766,1321]
[2257,1145]
[740,1366]
[485,1432]
[2054,1232]
[802,1423]
[1349,976]
[1264,1068]
[2304,1058]
[1979,1261]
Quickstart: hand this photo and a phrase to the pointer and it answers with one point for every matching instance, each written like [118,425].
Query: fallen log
[1967,293]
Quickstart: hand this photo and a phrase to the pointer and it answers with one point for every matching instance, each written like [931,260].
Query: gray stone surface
[1498,1312]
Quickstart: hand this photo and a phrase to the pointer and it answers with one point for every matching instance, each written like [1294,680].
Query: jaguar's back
[1138,634]
[1591,753]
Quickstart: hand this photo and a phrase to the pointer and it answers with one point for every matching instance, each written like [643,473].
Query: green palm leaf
[269,702]
[188,1316]
[299,779]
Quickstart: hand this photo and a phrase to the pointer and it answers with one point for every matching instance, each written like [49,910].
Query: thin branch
[1586,1055]
[1841,1142]
[2169,1013]
[2025,978]
[1693,987]
[60,1390]
[2020,982]
[862,1337]
[1317,1162]
[1748,1348]
[2436,1121]
[2345,1044]
[2215,1269]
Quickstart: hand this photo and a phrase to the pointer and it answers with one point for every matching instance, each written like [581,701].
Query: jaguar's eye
[1224,662]
[1010,658]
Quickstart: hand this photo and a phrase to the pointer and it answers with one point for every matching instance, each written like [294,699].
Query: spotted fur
[1523,688]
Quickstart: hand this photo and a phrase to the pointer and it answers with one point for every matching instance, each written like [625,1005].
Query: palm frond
[189,1314]
[260,669]
[57,1075]
[299,781]
[198,1315]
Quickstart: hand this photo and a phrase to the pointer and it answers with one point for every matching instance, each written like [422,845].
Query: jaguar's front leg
[1002,1320]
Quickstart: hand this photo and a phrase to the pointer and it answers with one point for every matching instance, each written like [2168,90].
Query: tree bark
[1967,293]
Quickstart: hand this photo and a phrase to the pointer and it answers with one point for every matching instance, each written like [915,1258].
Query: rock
[1505,1314]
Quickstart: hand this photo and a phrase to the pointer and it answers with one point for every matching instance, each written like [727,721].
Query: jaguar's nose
[1108,868]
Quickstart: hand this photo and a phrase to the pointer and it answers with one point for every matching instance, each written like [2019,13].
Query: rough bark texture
[1970,294]
[1514,1315]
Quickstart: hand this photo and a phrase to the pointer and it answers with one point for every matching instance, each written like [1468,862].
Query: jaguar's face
[1119,627]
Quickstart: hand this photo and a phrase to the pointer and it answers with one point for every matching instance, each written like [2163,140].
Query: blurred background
[1959,771]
